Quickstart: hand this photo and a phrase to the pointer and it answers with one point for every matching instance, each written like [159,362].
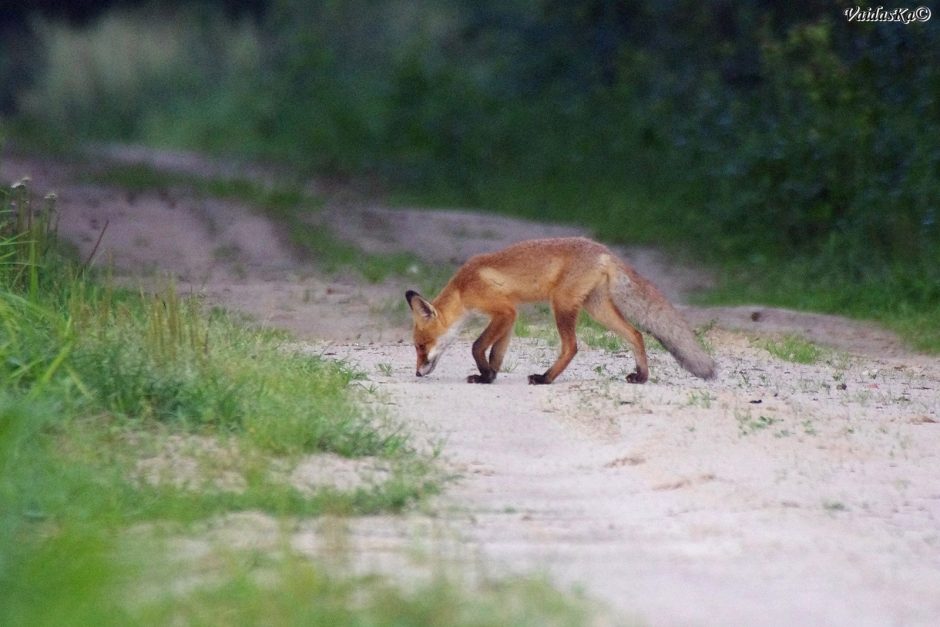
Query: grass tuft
[794,349]
[95,381]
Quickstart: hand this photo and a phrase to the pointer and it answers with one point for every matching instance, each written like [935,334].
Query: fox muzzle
[427,367]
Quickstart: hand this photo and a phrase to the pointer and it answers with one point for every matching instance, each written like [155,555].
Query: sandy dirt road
[779,494]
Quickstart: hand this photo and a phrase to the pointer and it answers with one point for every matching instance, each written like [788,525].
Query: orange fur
[571,274]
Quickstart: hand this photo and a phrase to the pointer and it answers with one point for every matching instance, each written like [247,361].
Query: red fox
[570,273]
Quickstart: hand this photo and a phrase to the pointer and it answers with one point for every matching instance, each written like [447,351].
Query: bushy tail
[645,306]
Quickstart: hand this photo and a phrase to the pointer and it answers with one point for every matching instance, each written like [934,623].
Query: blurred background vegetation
[796,152]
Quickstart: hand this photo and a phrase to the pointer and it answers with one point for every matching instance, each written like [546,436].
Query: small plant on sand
[700,398]
[748,424]
[794,349]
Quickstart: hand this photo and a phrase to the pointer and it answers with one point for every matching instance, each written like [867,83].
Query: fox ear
[420,307]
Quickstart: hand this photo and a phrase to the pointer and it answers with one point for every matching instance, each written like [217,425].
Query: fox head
[431,333]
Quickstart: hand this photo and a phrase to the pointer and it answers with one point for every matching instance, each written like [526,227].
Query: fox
[571,274]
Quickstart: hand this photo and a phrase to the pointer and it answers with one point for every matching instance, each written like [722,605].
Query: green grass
[115,363]
[162,358]
[748,425]
[794,349]
[83,576]
[301,593]
[95,382]
[118,364]
[892,298]
[596,335]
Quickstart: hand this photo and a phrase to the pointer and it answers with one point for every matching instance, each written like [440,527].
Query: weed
[27,235]
[596,335]
[523,326]
[533,321]
[748,425]
[700,398]
[794,349]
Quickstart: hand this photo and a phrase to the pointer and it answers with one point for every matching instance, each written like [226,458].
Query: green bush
[129,72]
[821,160]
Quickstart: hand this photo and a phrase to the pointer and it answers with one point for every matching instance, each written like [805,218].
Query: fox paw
[538,379]
[636,377]
[487,377]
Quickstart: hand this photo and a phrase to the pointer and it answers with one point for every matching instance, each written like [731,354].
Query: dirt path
[779,494]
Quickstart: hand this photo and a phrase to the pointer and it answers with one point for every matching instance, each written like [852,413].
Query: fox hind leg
[602,309]
[566,319]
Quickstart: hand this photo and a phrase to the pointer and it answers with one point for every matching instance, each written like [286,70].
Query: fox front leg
[495,335]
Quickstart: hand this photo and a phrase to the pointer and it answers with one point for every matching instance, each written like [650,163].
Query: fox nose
[418,373]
